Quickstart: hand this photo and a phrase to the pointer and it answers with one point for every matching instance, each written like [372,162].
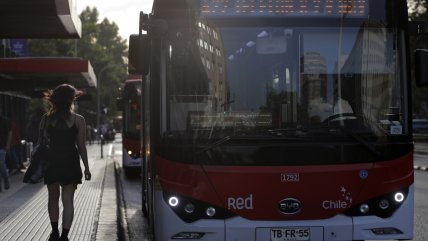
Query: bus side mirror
[139,54]
[421,70]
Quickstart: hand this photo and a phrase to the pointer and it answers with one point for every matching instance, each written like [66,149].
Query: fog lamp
[384,204]
[210,211]
[188,235]
[386,231]
[189,208]
[364,208]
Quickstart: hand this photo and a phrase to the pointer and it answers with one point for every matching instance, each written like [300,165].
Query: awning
[39,19]
[35,74]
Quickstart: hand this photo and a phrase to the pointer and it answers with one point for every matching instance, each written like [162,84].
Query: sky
[124,13]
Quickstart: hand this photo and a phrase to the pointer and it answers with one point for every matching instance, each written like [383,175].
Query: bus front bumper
[168,226]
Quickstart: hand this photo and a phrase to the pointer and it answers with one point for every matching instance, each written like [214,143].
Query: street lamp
[99,77]
[100,73]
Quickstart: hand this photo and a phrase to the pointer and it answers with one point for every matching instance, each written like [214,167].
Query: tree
[418,11]
[416,7]
[102,46]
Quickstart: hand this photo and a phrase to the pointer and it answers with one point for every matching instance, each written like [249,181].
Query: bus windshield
[132,109]
[270,78]
[294,82]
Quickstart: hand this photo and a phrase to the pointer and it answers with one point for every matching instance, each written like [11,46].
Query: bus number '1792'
[290,177]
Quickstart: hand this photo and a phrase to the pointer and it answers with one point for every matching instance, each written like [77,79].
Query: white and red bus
[130,105]
[277,120]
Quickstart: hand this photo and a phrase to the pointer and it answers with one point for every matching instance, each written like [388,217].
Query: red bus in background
[277,120]
[130,104]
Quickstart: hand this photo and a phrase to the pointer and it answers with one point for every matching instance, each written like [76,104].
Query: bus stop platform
[23,208]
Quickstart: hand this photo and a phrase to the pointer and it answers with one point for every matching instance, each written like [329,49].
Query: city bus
[130,105]
[277,120]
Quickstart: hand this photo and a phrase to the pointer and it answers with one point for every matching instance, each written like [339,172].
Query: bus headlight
[133,154]
[173,201]
[399,197]
[382,206]
[190,210]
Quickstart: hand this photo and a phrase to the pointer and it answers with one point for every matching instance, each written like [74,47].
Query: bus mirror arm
[144,22]
[155,27]
[421,71]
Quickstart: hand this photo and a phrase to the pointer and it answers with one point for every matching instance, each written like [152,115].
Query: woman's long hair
[61,100]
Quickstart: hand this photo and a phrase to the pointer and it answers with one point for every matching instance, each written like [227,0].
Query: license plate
[289,234]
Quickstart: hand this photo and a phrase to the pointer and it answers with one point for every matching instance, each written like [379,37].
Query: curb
[123,231]
[107,223]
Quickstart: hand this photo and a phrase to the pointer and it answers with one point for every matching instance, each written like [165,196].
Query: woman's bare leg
[53,199]
[53,209]
[67,197]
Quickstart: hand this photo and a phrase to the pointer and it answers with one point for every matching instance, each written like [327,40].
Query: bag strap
[45,139]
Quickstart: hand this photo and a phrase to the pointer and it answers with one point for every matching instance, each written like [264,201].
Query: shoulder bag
[39,159]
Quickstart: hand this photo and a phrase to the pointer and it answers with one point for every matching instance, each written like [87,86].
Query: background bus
[130,104]
[287,120]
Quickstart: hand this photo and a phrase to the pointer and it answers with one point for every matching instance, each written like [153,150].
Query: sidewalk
[23,208]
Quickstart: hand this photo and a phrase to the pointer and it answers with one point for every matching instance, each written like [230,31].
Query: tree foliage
[416,7]
[102,46]
[418,11]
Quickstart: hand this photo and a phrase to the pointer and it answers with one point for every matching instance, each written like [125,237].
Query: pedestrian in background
[5,138]
[66,135]
[15,147]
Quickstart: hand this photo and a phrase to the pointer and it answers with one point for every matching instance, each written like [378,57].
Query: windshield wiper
[251,137]
[217,143]
[309,130]
[358,139]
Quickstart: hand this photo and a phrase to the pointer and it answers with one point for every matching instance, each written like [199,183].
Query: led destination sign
[243,119]
[316,8]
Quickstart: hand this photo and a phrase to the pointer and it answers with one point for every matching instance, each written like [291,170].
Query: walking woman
[66,134]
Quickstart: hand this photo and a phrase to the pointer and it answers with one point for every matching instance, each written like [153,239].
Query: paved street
[23,208]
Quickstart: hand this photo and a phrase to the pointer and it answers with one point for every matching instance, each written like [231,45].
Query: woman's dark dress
[64,161]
